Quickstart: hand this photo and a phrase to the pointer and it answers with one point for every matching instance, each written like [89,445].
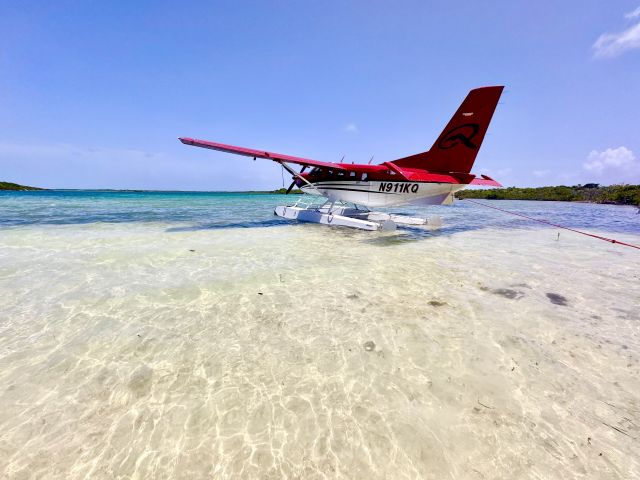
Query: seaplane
[347,191]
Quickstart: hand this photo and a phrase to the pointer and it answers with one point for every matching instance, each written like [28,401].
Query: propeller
[304,167]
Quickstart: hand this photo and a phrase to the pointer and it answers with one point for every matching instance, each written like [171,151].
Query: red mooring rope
[610,240]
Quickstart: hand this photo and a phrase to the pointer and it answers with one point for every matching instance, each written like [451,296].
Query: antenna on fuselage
[371,159]
[342,159]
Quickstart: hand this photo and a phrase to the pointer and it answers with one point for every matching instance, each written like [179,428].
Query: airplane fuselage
[384,193]
[381,188]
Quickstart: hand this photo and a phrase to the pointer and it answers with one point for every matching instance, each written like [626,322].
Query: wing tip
[489,87]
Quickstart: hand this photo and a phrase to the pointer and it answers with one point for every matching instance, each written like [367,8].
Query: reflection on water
[187,347]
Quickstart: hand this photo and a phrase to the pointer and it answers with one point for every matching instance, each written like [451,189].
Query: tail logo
[460,134]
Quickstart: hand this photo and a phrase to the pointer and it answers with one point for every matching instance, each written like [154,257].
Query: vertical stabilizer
[456,148]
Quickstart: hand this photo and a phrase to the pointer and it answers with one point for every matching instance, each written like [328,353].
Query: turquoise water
[231,210]
[197,336]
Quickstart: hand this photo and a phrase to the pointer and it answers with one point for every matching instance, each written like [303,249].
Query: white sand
[125,355]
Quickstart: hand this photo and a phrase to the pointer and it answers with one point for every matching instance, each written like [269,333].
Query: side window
[352,174]
[364,177]
[341,174]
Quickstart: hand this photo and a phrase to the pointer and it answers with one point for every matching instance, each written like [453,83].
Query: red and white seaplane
[428,178]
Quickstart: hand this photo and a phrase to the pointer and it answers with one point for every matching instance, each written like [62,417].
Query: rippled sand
[130,351]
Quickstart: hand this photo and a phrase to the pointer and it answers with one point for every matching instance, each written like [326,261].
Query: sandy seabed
[134,351]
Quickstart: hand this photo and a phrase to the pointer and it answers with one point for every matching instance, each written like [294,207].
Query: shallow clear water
[179,335]
[222,210]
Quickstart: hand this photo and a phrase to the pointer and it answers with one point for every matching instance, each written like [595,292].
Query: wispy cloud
[614,44]
[569,177]
[351,128]
[64,150]
[634,14]
[541,173]
[65,165]
[501,174]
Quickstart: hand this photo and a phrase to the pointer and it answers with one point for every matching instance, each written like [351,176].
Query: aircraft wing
[405,173]
[249,152]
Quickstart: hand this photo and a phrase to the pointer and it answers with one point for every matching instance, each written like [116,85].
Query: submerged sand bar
[130,351]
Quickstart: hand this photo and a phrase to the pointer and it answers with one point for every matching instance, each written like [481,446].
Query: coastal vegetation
[591,192]
[284,190]
[15,186]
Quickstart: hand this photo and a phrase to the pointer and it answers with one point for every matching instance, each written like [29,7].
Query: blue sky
[94,94]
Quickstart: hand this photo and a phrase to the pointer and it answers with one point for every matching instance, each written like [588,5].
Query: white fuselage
[385,194]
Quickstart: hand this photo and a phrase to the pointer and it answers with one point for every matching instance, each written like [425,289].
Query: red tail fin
[456,148]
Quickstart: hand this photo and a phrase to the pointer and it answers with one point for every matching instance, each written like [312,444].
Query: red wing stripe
[249,152]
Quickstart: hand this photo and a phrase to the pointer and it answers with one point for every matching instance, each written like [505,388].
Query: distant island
[591,192]
[15,186]
[280,191]
[295,191]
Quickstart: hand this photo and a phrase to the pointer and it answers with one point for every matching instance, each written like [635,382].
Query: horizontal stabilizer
[485,181]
